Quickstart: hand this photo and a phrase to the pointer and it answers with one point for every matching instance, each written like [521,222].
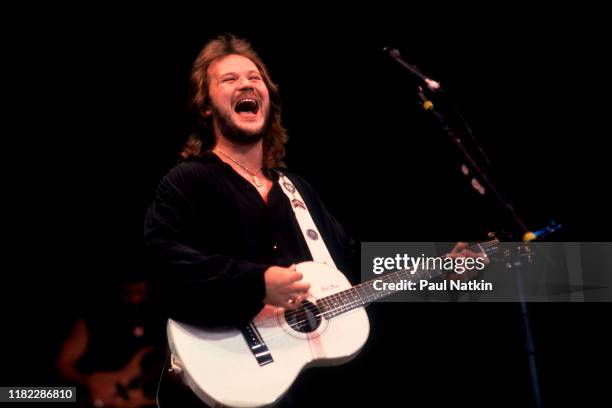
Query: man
[112,345]
[220,219]
[221,227]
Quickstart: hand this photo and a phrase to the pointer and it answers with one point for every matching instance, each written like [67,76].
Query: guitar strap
[313,238]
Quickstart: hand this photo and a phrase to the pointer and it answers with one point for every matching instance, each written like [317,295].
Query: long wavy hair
[203,138]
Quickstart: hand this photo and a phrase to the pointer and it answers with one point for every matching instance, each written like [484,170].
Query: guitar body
[221,367]
[133,396]
[128,384]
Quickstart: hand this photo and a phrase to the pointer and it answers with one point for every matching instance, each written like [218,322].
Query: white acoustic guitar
[254,366]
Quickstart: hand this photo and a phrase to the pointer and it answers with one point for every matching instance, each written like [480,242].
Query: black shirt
[211,237]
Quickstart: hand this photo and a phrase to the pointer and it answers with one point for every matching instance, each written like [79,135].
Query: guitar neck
[363,294]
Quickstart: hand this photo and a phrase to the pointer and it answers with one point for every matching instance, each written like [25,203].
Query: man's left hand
[462,250]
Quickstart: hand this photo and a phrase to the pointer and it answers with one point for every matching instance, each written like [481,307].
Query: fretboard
[365,293]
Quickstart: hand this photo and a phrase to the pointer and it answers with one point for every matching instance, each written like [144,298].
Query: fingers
[300,287]
[462,250]
[295,301]
[297,286]
[298,292]
[285,287]
[460,247]
[296,276]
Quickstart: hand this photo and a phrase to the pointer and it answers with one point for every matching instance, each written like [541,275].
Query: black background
[101,112]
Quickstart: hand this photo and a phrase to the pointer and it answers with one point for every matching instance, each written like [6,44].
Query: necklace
[256,180]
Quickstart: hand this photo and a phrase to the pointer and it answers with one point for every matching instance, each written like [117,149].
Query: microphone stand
[458,142]
[514,263]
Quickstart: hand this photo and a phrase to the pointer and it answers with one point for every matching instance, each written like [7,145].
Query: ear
[207,113]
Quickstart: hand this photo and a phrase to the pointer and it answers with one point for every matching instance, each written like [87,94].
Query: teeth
[247,104]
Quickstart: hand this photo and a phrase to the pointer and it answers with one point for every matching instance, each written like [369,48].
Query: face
[240,102]
[134,293]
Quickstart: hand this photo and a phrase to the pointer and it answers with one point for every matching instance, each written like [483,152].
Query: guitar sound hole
[304,319]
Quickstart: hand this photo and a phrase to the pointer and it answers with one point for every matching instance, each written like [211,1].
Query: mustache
[247,94]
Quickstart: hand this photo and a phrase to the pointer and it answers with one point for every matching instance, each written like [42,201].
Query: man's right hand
[284,287]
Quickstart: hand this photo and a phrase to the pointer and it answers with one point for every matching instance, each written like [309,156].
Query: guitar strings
[353,304]
[483,245]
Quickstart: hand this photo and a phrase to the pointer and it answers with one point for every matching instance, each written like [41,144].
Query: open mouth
[246,107]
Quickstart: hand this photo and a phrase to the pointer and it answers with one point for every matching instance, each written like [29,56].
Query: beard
[228,128]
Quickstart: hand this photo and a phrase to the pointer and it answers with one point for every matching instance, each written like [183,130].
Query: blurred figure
[115,350]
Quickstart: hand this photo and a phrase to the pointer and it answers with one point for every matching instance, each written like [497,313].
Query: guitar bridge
[257,345]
